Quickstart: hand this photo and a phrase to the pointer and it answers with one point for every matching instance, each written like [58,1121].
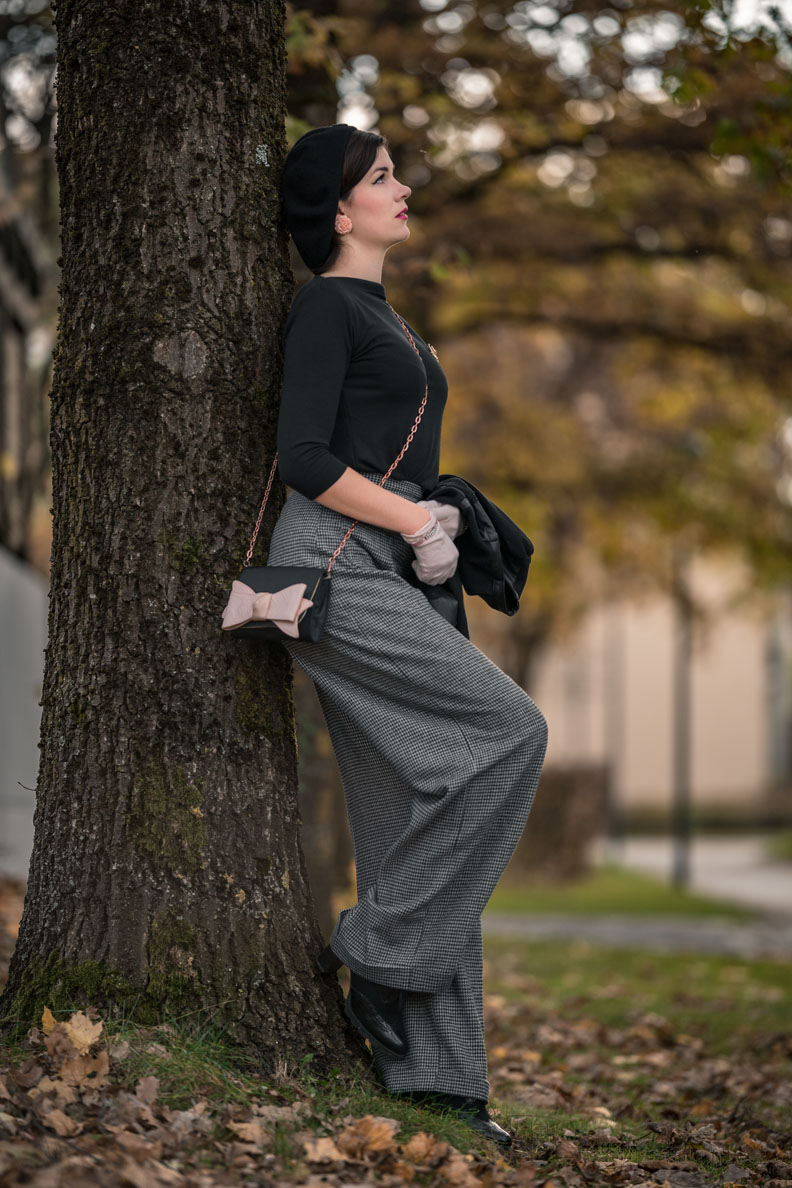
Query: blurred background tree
[600,251]
[601,244]
[599,238]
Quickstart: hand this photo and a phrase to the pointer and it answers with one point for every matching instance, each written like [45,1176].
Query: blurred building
[27,279]
[608,695]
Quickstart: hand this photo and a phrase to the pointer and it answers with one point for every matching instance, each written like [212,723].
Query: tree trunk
[326,837]
[167,872]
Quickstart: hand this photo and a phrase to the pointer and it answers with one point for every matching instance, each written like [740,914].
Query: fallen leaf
[322,1150]
[28,1074]
[91,1071]
[273,1113]
[457,1171]
[139,1146]
[426,1149]
[368,1134]
[9,1122]
[251,1132]
[61,1123]
[146,1089]
[59,1043]
[155,1049]
[62,1092]
[194,1121]
[420,1147]
[82,1032]
[403,1171]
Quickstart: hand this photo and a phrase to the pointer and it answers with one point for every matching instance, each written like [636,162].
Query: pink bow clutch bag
[281,607]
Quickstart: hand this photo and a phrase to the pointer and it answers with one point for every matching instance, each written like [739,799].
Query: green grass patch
[189,1062]
[780,846]
[609,890]
[194,1059]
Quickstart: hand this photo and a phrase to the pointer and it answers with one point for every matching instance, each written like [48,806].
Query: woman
[439,751]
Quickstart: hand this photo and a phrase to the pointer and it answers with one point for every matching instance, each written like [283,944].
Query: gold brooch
[434,352]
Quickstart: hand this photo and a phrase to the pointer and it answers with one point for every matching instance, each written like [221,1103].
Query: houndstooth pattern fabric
[440,754]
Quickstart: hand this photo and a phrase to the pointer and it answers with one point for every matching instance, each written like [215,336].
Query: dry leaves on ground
[647,1105]
[64,1120]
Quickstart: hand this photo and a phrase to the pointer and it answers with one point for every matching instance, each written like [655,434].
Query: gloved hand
[451,519]
[436,554]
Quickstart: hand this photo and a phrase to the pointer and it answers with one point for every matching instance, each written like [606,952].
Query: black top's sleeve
[318,344]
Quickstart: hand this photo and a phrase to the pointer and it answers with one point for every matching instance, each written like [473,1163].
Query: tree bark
[326,837]
[167,872]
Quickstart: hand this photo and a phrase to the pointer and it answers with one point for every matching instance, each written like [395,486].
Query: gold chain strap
[384,478]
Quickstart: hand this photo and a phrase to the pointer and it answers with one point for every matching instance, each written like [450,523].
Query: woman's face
[374,204]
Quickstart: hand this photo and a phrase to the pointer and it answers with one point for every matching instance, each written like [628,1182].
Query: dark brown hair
[360,155]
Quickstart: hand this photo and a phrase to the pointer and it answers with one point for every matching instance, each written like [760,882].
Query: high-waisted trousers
[440,754]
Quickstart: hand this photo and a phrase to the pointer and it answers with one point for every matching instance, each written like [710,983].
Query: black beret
[311,187]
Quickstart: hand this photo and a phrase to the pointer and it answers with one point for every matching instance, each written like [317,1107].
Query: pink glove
[436,554]
[451,519]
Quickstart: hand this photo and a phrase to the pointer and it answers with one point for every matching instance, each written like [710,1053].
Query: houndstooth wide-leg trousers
[440,754]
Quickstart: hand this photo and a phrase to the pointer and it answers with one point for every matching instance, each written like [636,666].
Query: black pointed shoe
[328,961]
[375,1010]
[472,1109]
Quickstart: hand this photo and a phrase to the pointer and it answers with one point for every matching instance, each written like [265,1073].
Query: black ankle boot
[328,961]
[472,1109]
[375,1010]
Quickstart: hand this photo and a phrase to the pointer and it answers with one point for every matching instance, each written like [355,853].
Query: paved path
[769,937]
[734,870]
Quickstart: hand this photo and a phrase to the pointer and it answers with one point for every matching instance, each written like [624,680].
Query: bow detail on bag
[281,607]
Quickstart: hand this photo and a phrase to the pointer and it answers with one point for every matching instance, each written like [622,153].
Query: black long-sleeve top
[352,387]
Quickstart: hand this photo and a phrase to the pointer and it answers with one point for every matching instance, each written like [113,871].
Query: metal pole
[681,718]
[614,722]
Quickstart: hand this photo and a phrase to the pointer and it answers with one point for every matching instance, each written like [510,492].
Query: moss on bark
[165,820]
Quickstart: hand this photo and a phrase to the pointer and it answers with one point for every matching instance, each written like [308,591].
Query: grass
[780,846]
[610,889]
[733,1005]
[543,1002]
[695,1049]
[193,1061]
